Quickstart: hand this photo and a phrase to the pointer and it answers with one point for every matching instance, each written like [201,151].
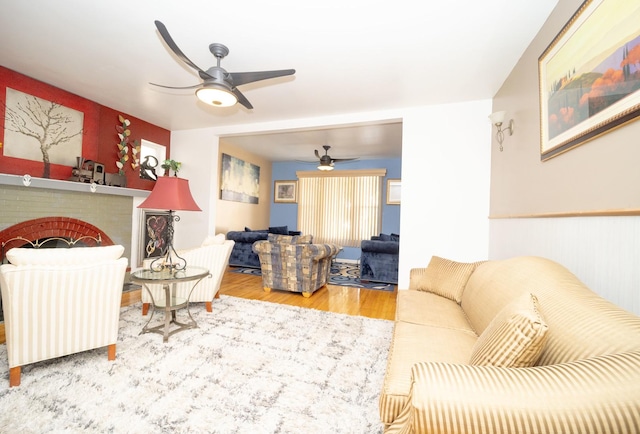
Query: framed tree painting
[589,76]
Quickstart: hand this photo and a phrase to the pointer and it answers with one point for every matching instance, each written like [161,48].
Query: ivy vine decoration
[124,134]
[135,155]
[169,165]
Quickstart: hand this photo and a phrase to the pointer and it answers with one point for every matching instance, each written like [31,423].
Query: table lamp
[173,194]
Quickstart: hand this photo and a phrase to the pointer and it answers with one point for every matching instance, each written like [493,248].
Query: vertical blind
[341,207]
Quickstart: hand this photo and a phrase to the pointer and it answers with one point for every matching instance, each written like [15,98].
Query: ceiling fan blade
[240,78]
[242,99]
[317,154]
[174,47]
[174,87]
[343,159]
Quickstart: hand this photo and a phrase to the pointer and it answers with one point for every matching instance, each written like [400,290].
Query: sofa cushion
[384,237]
[75,255]
[443,277]
[515,338]
[246,229]
[281,230]
[427,308]
[211,240]
[414,343]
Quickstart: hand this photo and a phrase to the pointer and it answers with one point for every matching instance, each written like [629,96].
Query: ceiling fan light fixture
[216,96]
[325,167]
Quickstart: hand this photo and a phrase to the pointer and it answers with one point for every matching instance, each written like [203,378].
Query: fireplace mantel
[56,184]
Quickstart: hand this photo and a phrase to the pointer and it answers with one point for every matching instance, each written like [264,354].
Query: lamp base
[170,260]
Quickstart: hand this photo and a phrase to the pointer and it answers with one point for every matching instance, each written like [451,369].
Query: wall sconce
[497,119]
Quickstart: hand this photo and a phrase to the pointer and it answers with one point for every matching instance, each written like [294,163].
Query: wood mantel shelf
[57,184]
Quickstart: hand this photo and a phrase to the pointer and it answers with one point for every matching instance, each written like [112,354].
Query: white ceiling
[353,56]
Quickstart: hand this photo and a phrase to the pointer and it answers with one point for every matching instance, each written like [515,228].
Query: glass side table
[171,303]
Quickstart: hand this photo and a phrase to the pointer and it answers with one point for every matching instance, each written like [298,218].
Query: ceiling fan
[219,86]
[326,162]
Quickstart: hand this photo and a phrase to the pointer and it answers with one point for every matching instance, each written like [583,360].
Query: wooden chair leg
[207,305]
[217,295]
[14,376]
[145,308]
[306,294]
[267,289]
[111,352]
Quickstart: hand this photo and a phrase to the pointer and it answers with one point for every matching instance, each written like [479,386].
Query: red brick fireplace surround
[52,227]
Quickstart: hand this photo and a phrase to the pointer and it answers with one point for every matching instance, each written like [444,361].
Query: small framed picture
[285,191]
[393,191]
[154,234]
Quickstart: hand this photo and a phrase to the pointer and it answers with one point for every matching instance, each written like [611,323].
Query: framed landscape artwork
[285,191]
[589,76]
[239,180]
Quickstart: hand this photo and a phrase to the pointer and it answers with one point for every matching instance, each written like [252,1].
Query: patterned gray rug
[250,367]
[342,274]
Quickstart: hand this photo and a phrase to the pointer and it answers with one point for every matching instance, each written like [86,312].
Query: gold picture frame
[394,190]
[285,191]
[589,80]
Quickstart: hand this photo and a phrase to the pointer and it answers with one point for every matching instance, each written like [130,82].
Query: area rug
[250,367]
[342,274]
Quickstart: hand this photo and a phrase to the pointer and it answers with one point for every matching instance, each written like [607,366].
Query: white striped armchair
[213,255]
[82,285]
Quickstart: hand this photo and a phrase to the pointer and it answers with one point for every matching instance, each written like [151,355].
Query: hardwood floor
[340,299]
[371,303]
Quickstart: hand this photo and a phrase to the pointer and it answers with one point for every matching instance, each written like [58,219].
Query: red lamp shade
[171,193]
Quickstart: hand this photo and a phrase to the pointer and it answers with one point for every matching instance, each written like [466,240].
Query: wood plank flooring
[371,303]
[340,299]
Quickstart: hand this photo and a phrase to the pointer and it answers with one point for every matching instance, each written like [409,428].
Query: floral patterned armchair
[292,263]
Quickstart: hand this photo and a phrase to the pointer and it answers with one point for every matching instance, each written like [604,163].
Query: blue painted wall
[287,213]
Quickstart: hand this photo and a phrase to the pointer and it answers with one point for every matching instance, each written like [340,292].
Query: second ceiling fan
[326,162]
[219,87]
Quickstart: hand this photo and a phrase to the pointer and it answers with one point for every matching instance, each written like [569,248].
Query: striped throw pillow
[445,278]
[514,338]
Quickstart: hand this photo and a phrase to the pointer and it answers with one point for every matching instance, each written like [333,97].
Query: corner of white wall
[446,166]
[197,150]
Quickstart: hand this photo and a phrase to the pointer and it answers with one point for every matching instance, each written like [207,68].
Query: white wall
[445,178]
[603,252]
[445,185]
[197,150]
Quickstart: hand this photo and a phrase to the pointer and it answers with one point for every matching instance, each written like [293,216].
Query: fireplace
[39,232]
[67,210]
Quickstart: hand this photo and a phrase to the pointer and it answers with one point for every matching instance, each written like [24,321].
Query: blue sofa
[242,254]
[379,258]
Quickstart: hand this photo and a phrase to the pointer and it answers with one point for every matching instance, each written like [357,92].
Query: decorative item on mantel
[124,133]
[169,165]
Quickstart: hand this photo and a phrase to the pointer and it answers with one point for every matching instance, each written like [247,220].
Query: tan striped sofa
[60,301]
[582,376]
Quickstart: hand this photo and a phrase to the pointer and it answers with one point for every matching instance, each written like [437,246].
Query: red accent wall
[100,138]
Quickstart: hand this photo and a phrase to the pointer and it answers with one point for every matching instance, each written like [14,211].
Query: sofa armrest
[415,276]
[599,394]
[392,247]
[320,251]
